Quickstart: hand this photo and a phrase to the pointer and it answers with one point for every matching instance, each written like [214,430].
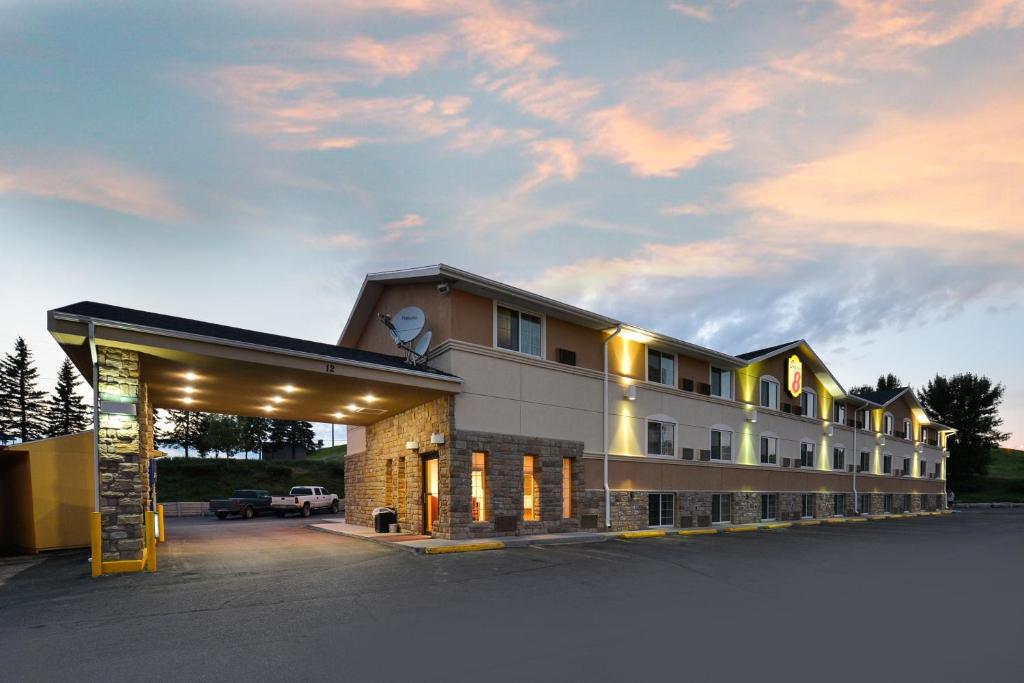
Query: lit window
[807,505]
[531,491]
[908,429]
[838,504]
[518,331]
[809,403]
[886,464]
[839,413]
[806,454]
[721,383]
[721,445]
[721,508]
[566,488]
[659,509]
[839,458]
[865,461]
[660,367]
[769,450]
[887,424]
[660,438]
[867,424]
[769,393]
[768,505]
[478,486]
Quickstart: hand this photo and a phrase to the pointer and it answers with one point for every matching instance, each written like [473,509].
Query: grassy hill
[1004,483]
[198,479]
[329,454]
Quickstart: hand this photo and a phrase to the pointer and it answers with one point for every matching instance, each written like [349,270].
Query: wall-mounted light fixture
[412,445]
[630,393]
[437,438]
[118,408]
[881,439]
[829,429]
[751,416]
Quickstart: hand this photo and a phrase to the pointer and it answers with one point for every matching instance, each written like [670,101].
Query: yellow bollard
[96,538]
[150,542]
[160,516]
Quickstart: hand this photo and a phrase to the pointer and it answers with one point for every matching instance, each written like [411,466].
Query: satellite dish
[408,323]
[423,344]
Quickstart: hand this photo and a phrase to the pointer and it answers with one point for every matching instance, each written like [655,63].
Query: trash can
[382,518]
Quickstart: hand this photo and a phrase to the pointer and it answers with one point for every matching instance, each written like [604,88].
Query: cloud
[923,25]
[409,220]
[556,98]
[684,210]
[555,158]
[506,40]
[398,58]
[701,12]
[84,178]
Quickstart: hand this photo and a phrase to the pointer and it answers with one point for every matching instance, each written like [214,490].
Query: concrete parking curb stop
[650,533]
[467,548]
[697,532]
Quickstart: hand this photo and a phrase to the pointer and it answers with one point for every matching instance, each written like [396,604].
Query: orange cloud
[398,58]
[556,158]
[506,40]
[703,13]
[89,180]
[927,24]
[556,98]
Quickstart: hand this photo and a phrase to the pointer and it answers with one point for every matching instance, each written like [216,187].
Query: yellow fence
[148,560]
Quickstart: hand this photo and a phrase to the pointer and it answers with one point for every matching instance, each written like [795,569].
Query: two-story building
[569,420]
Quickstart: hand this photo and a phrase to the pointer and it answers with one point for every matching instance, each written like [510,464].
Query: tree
[23,400]
[183,430]
[294,434]
[224,435]
[202,442]
[970,404]
[253,432]
[886,381]
[67,412]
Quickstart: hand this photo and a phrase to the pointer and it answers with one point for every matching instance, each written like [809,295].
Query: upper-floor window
[770,393]
[661,438]
[661,367]
[839,413]
[806,454]
[838,458]
[721,383]
[769,450]
[887,424]
[809,403]
[906,467]
[908,428]
[887,464]
[865,461]
[922,468]
[721,444]
[867,421]
[938,470]
[518,331]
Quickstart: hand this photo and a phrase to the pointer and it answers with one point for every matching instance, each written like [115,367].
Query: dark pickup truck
[245,502]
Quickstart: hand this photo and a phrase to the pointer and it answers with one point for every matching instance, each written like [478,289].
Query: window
[839,413]
[769,450]
[518,331]
[806,454]
[865,461]
[886,464]
[807,505]
[769,393]
[809,403]
[838,504]
[887,424]
[531,490]
[659,509]
[566,488]
[908,429]
[721,383]
[864,504]
[660,367]
[839,458]
[721,444]
[768,501]
[868,423]
[478,487]
[660,438]
[721,508]
[887,503]
[922,468]
[938,470]
[907,505]
[906,467]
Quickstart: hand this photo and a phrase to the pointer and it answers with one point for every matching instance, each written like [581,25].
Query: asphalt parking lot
[902,599]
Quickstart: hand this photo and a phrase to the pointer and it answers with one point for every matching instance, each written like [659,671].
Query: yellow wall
[16,529]
[60,492]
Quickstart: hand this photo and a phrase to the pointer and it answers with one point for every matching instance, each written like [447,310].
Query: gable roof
[883,397]
[769,351]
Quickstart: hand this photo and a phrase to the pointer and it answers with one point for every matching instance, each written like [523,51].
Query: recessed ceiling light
[288,388]
[188,390]
[191,376]
[186,400]
[268,408]
[369,398]
[338,416]
[276,399]
[353,407]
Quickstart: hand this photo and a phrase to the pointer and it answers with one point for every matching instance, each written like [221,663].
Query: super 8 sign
[795,376]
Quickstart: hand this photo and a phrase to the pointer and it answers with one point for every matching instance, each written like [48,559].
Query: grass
[1004,483]
[198,479]
[329,454]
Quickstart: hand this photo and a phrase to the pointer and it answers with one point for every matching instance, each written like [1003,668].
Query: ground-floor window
[721,508]
[531,491]
[887,503]
[864,503]
[659,509]
[768,505]
[807,505]
[907,506]
[566,488]
[924,502]
[838,504]
[478,486]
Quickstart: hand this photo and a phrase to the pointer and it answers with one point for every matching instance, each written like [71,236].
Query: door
[430,497]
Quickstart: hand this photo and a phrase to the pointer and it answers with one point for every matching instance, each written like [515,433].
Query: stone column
[124,481]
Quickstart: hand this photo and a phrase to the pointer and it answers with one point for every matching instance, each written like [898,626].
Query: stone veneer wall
[365,473]
[789,506]
[693,508]
[823,506]
[629,509]
[503,488]
[125,442]
[746,508]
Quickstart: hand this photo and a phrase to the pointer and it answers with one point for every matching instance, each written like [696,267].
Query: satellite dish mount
[404,327]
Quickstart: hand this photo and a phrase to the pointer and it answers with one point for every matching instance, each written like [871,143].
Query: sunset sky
[735,173]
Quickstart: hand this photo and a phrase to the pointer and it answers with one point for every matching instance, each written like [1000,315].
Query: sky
[734,173]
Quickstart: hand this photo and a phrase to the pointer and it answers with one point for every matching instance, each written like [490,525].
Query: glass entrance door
[430,498]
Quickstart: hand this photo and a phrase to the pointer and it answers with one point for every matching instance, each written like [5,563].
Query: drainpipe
[856,454]
[607,489]
[95,413]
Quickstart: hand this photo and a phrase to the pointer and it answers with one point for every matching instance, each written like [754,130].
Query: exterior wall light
[881,439]
[437,438]
[630,394]
[829,429]
[751,416]
[118,408]
[412,445]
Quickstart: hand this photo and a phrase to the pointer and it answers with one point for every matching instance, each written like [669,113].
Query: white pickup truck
[305,500]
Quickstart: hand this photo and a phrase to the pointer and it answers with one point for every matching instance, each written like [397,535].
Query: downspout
[95,413]
[856,499]
[607,488]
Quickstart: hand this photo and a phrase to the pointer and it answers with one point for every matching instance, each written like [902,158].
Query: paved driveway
[898,600]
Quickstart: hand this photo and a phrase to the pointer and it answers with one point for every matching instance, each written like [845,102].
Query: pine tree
[67,412]
[24,401]
[225,436]
[254,431]
[294,434]
[182,432]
